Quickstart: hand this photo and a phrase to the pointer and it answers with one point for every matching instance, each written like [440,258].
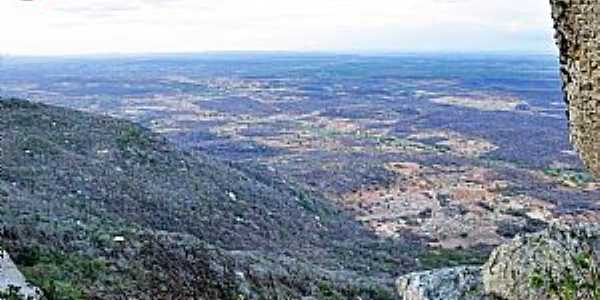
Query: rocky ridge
[561,262]
[98,208]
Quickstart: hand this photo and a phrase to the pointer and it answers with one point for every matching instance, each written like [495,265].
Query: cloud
[91,26]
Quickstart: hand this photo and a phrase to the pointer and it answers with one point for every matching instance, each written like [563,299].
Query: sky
[59,27]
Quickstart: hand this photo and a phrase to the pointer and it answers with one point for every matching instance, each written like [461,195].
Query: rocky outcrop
[562,262]
[461,283]
[12,282]
[558,263]
[577,24]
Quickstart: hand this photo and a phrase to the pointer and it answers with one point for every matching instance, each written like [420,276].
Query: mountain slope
[94,207]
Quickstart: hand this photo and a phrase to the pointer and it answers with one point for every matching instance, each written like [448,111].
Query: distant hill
[95,207]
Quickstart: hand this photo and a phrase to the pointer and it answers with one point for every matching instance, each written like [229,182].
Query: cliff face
[577,24]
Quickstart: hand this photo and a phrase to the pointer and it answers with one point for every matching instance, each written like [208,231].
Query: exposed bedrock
[577,24]
[460,283]
[558,263]
[561,262]
[13,284]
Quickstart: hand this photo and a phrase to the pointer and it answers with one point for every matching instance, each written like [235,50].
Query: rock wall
[577,24]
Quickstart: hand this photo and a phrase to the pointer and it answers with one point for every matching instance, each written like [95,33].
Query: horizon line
[282,52]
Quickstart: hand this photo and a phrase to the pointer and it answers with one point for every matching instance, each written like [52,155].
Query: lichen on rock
[559,263]
[577,24]
[460,283]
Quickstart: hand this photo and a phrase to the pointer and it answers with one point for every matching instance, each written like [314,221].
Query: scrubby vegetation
[573,177]
[571,286]
[94,207]
[438,258]
[12,293]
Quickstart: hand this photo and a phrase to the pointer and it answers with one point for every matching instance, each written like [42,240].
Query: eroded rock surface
[577,24]
[558,263]
[12,282]
[461,283]
[561,262]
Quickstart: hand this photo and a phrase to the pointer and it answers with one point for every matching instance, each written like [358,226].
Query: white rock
[232,196]
[461,283]
[11,276]
[103,152]
[119,239]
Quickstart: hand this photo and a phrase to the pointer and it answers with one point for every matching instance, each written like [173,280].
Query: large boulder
[461,283]
[577,24]
[13,283]
[561,262]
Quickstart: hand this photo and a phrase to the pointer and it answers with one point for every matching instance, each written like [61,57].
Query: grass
[440,258]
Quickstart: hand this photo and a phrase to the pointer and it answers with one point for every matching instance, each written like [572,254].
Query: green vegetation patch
[58,275]
[441,258]
[12,293]
[328,292]
[570,175]
[583,283]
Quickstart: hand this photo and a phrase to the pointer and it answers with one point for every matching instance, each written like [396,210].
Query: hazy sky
[127,26]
